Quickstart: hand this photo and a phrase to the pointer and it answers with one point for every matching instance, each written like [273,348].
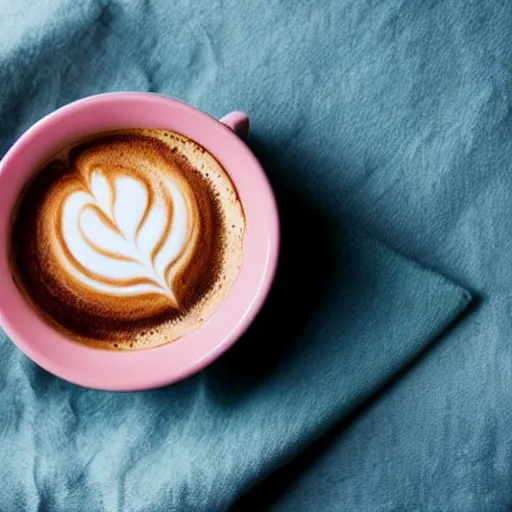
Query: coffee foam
[129,239]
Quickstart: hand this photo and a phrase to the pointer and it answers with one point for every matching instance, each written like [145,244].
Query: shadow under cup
[142,369]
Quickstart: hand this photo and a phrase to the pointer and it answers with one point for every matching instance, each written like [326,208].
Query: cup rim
[168,363]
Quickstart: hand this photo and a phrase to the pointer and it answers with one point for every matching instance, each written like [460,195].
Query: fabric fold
[309,360]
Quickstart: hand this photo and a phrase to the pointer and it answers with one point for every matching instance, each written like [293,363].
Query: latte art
[122,238]
[128,240]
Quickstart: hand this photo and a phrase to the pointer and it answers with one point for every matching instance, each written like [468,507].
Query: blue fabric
[413,101]
[358,119]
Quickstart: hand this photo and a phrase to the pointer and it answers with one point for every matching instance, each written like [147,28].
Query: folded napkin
[344,316]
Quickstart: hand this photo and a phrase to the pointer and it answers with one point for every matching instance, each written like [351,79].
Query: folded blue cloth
[327,339]
[345,315]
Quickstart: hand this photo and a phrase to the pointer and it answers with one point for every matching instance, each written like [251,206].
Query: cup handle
[238,122]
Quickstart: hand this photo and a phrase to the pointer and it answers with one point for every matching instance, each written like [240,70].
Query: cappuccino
[128,239]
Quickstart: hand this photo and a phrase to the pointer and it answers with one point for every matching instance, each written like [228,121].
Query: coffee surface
[128,239]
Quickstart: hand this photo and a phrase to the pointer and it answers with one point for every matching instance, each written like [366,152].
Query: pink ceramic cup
[143,369]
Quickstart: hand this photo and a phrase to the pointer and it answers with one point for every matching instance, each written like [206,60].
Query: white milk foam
[116,253]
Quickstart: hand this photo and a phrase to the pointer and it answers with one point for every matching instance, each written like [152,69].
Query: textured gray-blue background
[391,115]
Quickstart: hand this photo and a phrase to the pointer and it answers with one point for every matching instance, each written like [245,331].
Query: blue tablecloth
[393,116]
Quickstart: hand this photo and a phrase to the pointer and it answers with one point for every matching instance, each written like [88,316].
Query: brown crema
[127,240]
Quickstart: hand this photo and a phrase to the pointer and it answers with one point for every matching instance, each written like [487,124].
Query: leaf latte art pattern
[129,239]
[123,237]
